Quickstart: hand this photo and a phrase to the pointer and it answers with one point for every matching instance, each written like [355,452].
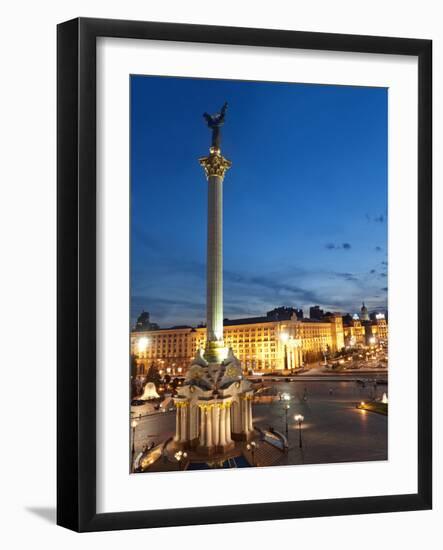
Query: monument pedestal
[213,407]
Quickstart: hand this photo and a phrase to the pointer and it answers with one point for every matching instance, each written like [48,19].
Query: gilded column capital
[215,164]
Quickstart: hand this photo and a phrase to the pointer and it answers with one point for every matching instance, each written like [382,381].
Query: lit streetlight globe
[142,344]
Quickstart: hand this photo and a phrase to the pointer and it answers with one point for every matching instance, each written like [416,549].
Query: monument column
[214,291]
[215,166]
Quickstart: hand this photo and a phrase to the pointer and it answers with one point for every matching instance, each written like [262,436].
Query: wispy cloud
[379,218]
[337,246]
[348,277]
[275,285]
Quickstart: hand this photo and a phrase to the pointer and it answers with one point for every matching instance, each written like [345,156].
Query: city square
[333,428]
[291,385]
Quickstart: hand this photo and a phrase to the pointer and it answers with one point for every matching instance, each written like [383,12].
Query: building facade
[260,343]
[358,333]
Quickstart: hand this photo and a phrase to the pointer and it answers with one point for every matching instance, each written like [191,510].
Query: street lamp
[299,418]
[134,424]
[180,457]
[252,448]
[142,344]
[286,398]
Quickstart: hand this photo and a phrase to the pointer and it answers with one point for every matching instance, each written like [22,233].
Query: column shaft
[183,434]
[216,425]
[202,427]
[223,426]
[177,423]
[246,422]
[228,425]
[214,297]
[209,428]
[250,425]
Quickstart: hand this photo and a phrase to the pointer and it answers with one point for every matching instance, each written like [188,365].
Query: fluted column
[216,424]
[202,427]
[250,425]
[246,416]
[195,423]
[177,423]
[191,423]
[235,413]
[182,424]
[208,427]
[228,425]
[223,426]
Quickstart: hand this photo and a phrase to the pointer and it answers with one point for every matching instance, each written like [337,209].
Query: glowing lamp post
[180,457]
[324,350]
[299,418]
[142,344]
[286,398]
[134,424]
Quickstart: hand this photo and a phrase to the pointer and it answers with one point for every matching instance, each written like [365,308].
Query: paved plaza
[333,430]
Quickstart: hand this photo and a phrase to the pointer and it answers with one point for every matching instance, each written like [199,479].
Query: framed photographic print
[244,274]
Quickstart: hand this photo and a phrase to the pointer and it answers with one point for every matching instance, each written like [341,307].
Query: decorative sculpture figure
[215,122]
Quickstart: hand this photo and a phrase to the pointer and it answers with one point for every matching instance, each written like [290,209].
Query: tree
[134,380]
[153,375]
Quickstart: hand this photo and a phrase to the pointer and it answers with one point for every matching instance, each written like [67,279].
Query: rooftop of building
[276,315]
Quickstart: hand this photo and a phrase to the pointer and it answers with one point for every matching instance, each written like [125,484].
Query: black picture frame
[76,293]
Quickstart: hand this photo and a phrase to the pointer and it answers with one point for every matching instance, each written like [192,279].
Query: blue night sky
[305,202]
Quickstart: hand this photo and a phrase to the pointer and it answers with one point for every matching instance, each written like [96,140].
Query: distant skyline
[305,202]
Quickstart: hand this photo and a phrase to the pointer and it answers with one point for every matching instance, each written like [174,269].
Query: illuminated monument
[214,404]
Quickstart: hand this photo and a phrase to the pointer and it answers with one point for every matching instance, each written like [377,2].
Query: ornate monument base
[213,407]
